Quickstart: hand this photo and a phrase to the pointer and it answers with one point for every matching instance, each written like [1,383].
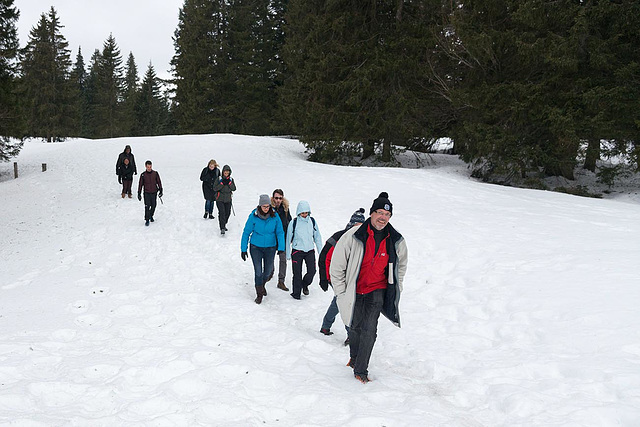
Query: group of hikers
[365,263]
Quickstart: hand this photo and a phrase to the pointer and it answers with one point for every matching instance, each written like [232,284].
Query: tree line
[522,87]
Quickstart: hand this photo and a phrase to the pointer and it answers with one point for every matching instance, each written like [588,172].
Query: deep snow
[520,307]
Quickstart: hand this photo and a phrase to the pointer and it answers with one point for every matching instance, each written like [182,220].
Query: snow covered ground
[520,306]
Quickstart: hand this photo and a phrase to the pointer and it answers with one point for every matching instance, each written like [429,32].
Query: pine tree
[109,91]
[196,42]
[150,109]
[45,81]
[90,114]
[130,94]
[9,116]
[78,81]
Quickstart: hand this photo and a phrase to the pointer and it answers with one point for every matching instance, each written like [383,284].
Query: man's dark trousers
[364,327]
[150,201]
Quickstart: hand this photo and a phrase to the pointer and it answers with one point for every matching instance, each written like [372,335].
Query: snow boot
[211,216]
[151,219]
[206,214]
[282,286]
[326,331]
[264,291]
[259,294]
[123,195]
[146,223]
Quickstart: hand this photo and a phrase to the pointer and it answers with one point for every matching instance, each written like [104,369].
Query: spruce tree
[150,109]
[9,115]
[109,91]
[45,81]
[91,115]
[78,80]
[130,94]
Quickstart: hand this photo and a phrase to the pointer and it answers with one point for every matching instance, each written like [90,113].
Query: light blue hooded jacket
[306,235]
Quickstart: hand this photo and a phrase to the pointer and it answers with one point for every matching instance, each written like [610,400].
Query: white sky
[144,27]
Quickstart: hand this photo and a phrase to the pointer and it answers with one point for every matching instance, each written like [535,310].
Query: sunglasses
[277,198]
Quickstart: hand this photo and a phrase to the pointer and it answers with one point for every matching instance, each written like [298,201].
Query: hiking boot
[259,294]
[264,291]
[326,331]
[282,286]
[151,219]
[346,342]
[351,363]
[362,378]
[146,223]
[211,216]
[261,290]
[123,195]
[206,214]
[305,290]
[222,231]
[129,195]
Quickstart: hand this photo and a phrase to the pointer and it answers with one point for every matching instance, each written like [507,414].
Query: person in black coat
[125,177]
[209,178]
[126,154]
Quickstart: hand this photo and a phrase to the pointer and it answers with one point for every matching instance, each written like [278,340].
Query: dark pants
[126,186]
[150,202]
[282,266]
[331,314]
[262,259]
[297,258]
[364,327]
[224,212]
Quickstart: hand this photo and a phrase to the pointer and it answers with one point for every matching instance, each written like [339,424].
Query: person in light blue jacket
[302,235]
[264,229]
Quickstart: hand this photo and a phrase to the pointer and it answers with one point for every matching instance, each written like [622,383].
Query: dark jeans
[331,314]
[224,211]
[126,186]
[364,327]
[150,201]
[208,206]
[297,258]
[262,259]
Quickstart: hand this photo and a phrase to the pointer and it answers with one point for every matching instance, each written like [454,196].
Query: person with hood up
[264,230]
[224,189]
[126,154]
[209,177]
[302,234]
[367,271]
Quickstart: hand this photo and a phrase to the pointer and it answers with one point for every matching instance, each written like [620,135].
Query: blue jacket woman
[263,235]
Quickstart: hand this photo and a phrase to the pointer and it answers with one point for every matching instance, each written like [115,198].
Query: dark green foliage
[357,76]
[78,81]
[9,115]
[45,84]
[130,95]
[109,88]
[150,109]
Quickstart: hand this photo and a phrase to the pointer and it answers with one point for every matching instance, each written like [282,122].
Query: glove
[139,197]
[280,252]
[120,179]
[226,181]
[324,284]
[160,192]
[244,256]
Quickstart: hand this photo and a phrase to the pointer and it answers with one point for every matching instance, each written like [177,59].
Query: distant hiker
[126,154]
[150,180]
[324,262]
[263,230]
[125,177]
[209,176]
[224,188]
[302,234]
[281,206]
[367,270]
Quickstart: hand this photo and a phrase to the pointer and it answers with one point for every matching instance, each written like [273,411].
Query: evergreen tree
[356,76]
[196,42]
[109,91]
[130,94]
[45,82]
[90,114]
[9,117]
[150,110]
[78,80]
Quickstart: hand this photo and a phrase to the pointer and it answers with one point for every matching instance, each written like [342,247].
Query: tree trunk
[368,148]
[386,150]
[593,155]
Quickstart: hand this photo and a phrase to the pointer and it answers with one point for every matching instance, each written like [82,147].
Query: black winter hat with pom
[382,202]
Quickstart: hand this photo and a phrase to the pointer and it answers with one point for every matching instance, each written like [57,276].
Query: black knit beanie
[382,202]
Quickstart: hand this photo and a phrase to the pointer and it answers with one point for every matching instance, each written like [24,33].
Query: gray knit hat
[264,200]
[357,217]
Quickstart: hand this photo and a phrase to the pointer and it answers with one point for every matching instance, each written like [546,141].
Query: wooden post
[44,167]
[15,170]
